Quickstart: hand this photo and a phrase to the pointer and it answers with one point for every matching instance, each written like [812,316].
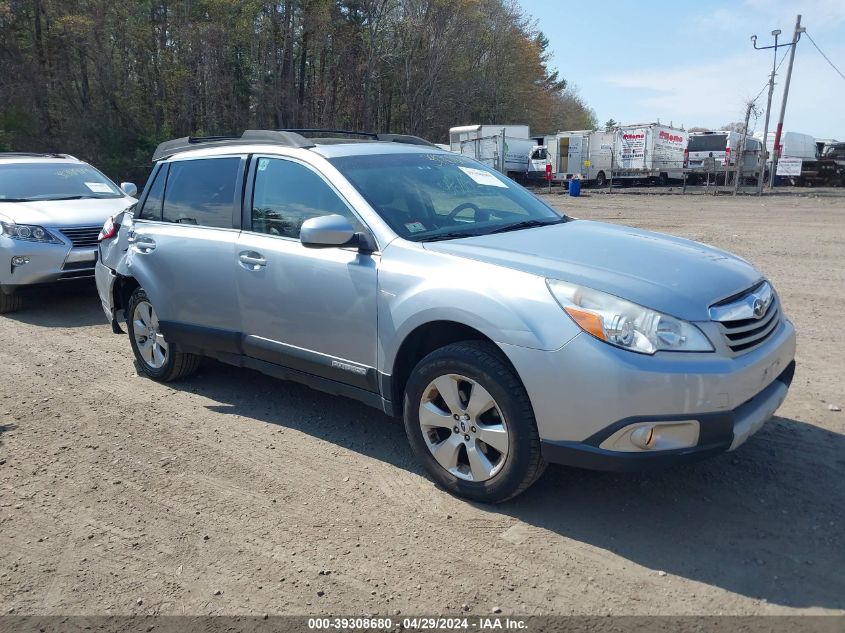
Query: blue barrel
[574,188]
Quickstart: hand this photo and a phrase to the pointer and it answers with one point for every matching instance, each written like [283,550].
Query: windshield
[708,143]
[426,197]
[24,182]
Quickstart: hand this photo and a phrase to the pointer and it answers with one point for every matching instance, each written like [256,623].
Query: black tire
[662,180]
[10,302]
[483,363]
[601,180]
[177,364]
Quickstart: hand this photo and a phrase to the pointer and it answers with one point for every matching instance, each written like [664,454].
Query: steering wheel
[461,207]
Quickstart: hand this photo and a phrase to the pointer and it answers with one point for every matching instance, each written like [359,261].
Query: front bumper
[47,263]
[586,392]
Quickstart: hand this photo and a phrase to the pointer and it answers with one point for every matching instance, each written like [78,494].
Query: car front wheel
[156,358]
[9,302]
[470,423]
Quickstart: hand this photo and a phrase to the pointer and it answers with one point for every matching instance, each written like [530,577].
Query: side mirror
[129,188]
[332,231]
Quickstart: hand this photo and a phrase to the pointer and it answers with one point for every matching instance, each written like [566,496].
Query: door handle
[251,260]
[140,243]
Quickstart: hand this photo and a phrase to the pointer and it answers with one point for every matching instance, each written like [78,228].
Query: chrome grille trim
[82,235]
[741,329]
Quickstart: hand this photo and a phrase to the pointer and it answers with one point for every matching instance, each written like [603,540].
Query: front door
[312,310]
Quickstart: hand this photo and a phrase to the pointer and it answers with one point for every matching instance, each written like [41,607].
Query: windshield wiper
[67,198]
[525,224]
[448,236]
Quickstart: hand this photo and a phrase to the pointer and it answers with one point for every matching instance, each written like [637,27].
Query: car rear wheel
[11,302]
[470,423]
[156,358]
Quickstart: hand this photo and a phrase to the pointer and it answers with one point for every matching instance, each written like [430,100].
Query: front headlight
[625,324]
[28,232]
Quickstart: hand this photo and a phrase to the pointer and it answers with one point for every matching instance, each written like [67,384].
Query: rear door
[182,250]
[312,310]
[563,155]
[575,154]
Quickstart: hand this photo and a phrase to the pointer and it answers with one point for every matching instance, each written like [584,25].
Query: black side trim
[203,340]
[310,362]
[325,385]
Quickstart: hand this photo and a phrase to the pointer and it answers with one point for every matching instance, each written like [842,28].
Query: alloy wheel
[464,428]
[150,342]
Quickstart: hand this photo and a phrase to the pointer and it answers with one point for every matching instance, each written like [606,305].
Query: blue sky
[692,63]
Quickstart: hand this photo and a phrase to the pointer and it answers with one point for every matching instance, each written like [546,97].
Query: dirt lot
[234,493]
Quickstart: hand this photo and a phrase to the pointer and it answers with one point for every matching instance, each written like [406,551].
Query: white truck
[716,153]
[650,152]
[585,154]
[506,148]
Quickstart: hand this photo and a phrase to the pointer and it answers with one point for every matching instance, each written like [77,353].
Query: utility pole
[776,154]
[749,108]
[765,153]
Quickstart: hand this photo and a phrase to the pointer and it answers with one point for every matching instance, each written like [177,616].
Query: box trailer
[506,148]
[650,151]
[585,154]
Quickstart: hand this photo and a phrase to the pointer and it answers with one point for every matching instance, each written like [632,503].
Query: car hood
[59,213]
[669,274]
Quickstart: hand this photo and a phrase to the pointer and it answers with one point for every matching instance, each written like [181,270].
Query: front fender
[508,306]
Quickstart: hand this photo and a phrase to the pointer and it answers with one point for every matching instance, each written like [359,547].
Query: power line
[832,65]
[777,68]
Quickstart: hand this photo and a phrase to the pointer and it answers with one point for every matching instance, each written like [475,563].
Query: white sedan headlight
[625,324]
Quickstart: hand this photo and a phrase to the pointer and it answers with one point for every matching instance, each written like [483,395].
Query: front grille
[82,236]
[742,334]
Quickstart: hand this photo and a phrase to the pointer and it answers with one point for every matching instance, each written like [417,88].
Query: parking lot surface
[233,493]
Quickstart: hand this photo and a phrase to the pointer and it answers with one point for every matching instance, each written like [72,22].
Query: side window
[202,192]
[287,193]
[152,205]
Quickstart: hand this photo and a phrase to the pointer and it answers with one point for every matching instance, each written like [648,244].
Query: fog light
[643,436]
[19,260]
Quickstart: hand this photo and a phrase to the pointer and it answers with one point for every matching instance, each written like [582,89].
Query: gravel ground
[232,493]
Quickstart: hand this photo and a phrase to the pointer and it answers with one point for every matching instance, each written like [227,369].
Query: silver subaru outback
[427,285]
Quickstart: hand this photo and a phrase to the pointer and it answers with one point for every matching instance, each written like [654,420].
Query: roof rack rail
[34,155]
[269,137]
[284,137]
[388,138]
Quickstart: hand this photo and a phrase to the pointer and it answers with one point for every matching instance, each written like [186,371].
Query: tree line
[107,81]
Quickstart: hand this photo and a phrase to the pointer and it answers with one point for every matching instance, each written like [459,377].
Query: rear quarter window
[708,143]
[151,209]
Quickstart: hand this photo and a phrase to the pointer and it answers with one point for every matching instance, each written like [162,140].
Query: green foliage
[107,80]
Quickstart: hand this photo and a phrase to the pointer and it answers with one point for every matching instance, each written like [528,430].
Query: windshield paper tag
[262,163]
[98,187]
[482,177]
[415,227]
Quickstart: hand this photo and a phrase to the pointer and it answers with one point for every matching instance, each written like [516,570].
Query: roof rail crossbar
[268,137]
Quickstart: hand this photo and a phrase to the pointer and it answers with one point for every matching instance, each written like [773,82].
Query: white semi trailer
[506,148]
